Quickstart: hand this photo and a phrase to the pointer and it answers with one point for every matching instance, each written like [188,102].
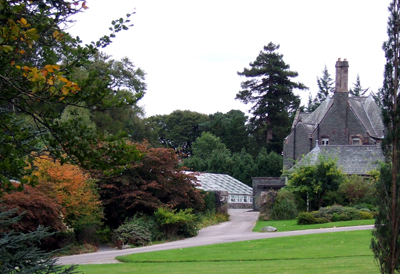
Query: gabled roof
[351,159]
[222,182]
[364,108]
[369,114]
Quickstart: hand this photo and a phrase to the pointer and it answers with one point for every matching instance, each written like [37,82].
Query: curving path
[237,229]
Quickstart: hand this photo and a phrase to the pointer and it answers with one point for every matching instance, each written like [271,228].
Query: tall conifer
[269,89]
[386,241]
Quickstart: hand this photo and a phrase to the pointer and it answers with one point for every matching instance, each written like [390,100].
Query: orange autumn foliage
[74,190]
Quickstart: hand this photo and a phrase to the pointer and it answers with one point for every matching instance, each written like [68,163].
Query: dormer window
[324,141]
[355,140]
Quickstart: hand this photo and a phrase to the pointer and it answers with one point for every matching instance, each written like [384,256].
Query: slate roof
[364,108]
[350,159]
[223,182]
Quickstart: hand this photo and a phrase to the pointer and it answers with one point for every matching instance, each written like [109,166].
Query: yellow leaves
[49,79]
[12,63]
[21,51]
[84,6]
[23,21]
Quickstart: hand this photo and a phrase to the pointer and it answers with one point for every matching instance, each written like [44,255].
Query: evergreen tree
[386,244]
[269,89]
[358,91]
[20,252]
[325,88]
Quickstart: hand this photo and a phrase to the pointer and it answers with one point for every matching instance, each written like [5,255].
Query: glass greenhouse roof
[222,182]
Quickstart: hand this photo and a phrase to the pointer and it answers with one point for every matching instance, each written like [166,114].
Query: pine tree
[386,244]
[358,91]
[269,89]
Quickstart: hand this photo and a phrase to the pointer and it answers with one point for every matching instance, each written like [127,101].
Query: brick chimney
[342,76]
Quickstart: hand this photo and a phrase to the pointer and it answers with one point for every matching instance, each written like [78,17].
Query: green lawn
[291,225]
[339,252]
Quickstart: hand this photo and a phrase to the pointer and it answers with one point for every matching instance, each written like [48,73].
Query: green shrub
[335,217]
[284,207]
[131,233]
[365,215]
[352,213]
[321,220]
[104,234]
[170,220]
[209,201]
[306,218]
[344,217]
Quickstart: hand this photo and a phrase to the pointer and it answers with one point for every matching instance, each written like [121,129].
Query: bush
[335,217]
[170,220]
[209,201]
[321,220]
[352,213]
[356,188]
[131,233]
[285,207]
[306,218]
[365,215]
[344,217]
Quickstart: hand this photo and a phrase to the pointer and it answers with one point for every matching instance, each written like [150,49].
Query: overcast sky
[192,50]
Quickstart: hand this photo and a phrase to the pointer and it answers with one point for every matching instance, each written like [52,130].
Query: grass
[291,225]
[339,252]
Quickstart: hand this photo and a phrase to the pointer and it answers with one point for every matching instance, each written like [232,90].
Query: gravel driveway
[237,229]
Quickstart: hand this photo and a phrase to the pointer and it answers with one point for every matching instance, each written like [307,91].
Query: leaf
[12,63]
[23,21]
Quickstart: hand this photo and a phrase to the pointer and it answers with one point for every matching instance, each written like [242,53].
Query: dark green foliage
[230,127]
[385,242]
[344,217]
[131,233]
[20,252]
[284,207]
[178,130]
[306,218]
[335,217]
[268,164]
[210,202]
[321,220]
[269,88]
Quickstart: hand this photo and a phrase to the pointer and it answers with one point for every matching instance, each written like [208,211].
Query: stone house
[349,128]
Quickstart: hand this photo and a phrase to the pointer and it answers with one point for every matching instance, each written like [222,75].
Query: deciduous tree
[37,61]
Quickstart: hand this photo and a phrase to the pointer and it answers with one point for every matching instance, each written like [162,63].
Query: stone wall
[261,184]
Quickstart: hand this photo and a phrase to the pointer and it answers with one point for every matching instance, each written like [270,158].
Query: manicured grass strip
[346,265]
[291,225]
[317,246]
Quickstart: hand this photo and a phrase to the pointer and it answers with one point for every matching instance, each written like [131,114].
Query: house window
[324,141]
[355,140]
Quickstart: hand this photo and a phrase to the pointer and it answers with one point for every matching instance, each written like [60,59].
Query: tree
[230,127]
[154,182]
[74,191]
[314,180]
[386,244]
[358,91]
[270,91]
[20,252]
[37,61]
[325,88]
[179,129]
[268,164]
